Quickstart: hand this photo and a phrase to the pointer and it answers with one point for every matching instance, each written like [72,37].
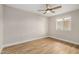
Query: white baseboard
[23,41]
[64,40]
[39,38]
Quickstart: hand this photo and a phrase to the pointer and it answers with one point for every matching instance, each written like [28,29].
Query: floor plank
[43,46]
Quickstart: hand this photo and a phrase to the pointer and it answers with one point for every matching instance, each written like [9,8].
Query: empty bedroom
[39,28]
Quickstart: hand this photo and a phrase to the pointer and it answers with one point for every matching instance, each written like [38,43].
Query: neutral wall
[71,36]
[21,26]
[1,27]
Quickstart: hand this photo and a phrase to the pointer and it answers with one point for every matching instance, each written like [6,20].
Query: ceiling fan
[52,10]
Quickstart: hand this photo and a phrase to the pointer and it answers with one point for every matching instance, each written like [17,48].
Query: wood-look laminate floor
[43,46]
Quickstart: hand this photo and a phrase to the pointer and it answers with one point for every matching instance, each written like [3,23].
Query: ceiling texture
[35,7]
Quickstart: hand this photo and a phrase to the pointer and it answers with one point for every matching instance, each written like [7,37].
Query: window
[59,24]
[63,24]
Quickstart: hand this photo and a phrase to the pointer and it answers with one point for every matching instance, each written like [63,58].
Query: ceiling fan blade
[41,10]
[52,11]
[56,7]
[45,12]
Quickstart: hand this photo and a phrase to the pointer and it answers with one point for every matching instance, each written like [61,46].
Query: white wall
[20,26]
[1,26]
[71,36]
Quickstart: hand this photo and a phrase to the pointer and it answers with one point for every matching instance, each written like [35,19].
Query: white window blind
[63,24]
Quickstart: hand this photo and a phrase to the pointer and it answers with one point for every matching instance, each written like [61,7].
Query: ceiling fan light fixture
[50,10]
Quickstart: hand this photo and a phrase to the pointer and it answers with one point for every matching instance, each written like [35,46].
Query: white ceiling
[35,7]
